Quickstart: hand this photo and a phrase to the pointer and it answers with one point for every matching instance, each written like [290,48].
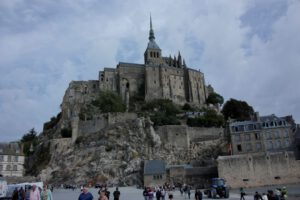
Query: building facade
[262,134]
[11,159]
[154,173]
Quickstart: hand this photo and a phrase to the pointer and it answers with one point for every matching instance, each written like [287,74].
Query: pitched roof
[153,167]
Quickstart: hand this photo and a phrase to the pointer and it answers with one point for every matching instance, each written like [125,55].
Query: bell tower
[152,54]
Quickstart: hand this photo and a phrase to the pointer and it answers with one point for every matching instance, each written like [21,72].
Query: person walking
[145,193]
[15,194]
[264,196]
[242,193]
[34,193]
[189,191]
[257,196]
[22,195]
[116,194]
[46,193]
[85,194]
[198,194]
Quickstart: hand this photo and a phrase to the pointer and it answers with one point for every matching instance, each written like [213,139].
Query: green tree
[236,109]
[214,98]
[29,139]
[163,112]
[109,102]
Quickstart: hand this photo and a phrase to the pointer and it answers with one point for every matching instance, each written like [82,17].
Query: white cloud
[245,52]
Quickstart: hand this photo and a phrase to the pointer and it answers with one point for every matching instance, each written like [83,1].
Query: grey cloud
[46,44]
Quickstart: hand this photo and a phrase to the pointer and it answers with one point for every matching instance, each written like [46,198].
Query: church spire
[151,32]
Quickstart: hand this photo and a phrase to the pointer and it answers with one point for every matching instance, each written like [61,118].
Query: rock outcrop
[113,155]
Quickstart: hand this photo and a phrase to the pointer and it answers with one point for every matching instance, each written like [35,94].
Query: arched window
[150,54]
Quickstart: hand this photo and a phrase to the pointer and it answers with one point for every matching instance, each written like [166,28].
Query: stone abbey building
[158,78]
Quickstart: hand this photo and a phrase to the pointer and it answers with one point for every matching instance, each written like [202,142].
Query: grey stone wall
[259,169]
[203,134]
[174,135]
[101,121]
[183,136]
[131,78]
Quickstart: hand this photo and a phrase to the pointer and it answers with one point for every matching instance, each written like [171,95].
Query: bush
[209,119]
[160,119]
[79,140]
[161,105]
[109,102]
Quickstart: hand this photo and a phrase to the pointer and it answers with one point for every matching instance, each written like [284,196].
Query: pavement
[132,193]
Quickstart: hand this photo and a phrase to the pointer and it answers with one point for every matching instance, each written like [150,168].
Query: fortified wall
[185,137]
[259,169]
[99,122]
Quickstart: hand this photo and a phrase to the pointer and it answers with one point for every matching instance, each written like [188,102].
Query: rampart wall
[259,169]
[182,136]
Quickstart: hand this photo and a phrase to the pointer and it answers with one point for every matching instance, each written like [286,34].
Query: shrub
[209,119]
[109,102]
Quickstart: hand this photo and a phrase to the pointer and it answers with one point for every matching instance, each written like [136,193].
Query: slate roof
[269,118]
[152,45]
[153,167]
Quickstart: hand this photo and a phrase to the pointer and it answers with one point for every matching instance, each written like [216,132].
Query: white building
[11,159]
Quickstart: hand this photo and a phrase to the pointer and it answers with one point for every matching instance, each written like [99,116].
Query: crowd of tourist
[32,193]
[277,194]
[104,194]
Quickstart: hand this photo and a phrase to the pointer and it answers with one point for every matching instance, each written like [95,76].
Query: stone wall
[183,136]
[101,121]
[150,181]
[203,134]
[175,135]
[259,169]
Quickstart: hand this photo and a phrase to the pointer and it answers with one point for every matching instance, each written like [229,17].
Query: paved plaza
[131,193]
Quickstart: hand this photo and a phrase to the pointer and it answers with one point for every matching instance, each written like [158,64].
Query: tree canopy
[215,98]
[29,139]
[109,102]
[163,112]
[236,109]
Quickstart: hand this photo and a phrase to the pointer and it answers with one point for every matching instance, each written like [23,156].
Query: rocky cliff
[115,154]
[85,146]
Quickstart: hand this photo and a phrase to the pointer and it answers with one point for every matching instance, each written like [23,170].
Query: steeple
[151,32]
[153,52]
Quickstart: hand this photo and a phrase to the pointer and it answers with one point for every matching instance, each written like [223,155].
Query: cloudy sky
[248,50]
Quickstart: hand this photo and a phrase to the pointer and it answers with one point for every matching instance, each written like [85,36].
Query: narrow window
[239,147]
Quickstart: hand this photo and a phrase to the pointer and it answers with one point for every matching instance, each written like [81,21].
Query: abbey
[158,78]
